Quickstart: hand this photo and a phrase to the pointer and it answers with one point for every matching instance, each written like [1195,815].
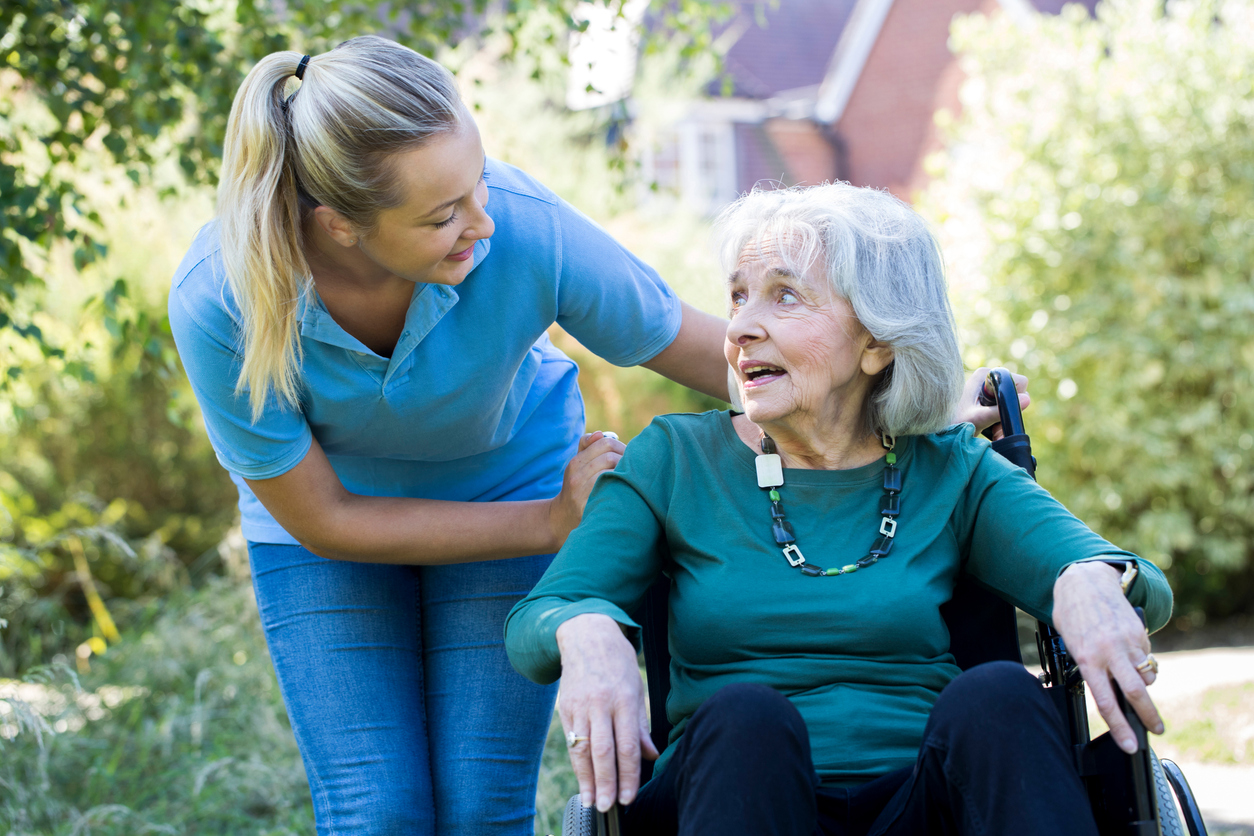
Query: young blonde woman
[364,328]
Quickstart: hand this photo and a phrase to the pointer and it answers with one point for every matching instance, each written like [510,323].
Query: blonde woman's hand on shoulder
[598,452]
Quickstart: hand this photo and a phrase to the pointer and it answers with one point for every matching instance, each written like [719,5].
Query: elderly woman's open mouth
[757,373]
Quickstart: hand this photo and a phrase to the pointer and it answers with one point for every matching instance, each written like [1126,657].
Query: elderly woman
[811,541]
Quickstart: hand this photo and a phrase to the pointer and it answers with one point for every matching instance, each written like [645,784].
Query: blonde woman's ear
[336,226]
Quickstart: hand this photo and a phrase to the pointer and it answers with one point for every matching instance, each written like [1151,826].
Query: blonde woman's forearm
[311,504]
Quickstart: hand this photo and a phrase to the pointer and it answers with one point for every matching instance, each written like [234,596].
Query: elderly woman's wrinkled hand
[602,708]
[970,411]
[1108,641]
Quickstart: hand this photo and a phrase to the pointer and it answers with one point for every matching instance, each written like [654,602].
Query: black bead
[812,571]
[768,445]
[890,505]
[882,547]
[864,562]
[892,479]
[782,529]
[777,511]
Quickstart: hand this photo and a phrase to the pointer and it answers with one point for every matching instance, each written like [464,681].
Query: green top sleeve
[606,565]
[1020,539]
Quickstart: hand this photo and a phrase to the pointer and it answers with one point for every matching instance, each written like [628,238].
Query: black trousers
[994,760]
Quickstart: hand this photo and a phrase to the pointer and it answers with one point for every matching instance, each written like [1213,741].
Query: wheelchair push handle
[1014,445]
[999,390]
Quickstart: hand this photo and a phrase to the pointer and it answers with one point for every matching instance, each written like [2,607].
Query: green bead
[774,494]
[892,457]
[852,567]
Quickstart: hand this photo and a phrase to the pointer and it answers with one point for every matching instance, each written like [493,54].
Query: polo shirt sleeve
[612,302]
[204,333]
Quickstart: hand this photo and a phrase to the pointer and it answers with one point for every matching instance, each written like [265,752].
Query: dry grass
[1216,727]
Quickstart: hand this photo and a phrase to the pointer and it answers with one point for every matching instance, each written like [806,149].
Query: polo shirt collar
[427,307]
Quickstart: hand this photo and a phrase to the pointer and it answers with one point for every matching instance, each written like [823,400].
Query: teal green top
[862,656]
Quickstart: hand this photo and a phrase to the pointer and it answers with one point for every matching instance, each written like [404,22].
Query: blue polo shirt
[475,403]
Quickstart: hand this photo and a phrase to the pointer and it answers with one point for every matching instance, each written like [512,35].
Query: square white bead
[770,470]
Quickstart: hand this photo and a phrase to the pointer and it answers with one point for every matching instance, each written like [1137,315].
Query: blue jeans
[408,715]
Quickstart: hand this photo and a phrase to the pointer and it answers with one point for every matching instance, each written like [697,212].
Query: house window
[694,161]
[709,166]
[665,174]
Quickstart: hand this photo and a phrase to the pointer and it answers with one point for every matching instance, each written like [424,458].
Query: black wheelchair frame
[1131,795]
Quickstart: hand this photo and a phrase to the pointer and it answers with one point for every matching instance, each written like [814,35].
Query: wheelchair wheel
[1184,797]
[586,821]
[579,820]
[1168,818]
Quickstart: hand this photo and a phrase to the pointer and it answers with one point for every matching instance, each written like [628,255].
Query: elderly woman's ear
[876,357]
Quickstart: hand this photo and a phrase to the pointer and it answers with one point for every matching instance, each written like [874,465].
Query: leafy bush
[110,494]
[1098,218]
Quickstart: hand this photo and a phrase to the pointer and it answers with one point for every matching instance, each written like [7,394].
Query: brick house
[826,90]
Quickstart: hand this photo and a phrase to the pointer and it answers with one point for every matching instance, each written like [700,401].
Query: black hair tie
[300,68]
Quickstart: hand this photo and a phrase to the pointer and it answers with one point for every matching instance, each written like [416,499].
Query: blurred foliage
[1097,212]
[178,730]
[123,427]
[557,782]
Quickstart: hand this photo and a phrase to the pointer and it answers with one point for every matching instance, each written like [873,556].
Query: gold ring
[573,740]
[1150,665]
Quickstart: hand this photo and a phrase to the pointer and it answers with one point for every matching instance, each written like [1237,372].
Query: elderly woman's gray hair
[878,254]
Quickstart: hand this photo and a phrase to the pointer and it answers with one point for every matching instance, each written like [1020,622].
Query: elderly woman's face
[796,349]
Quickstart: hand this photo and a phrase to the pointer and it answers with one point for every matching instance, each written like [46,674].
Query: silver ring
[573,740]
[1150,665]
[609,434]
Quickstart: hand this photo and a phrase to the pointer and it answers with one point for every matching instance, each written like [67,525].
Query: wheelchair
[1130,795]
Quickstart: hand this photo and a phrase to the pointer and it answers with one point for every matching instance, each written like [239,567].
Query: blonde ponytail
[328,144]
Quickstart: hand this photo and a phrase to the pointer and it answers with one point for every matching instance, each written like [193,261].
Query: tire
[579,820]
[1168,818]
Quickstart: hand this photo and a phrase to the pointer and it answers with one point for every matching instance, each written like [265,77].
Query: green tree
[1097,208]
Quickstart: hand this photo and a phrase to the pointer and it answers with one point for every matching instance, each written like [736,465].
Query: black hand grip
[999,389]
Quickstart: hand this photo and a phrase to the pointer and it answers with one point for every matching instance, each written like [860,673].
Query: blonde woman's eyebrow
[446,204]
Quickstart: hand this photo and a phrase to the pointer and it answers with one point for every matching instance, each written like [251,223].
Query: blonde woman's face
[430,236]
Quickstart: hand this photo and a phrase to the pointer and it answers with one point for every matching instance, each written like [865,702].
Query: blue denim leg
[380,719]
[487,723]
[344,638]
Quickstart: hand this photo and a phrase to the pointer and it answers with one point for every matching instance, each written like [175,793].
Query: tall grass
[178,729]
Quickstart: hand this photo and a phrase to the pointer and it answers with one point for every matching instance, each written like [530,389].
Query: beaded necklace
[771,478]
